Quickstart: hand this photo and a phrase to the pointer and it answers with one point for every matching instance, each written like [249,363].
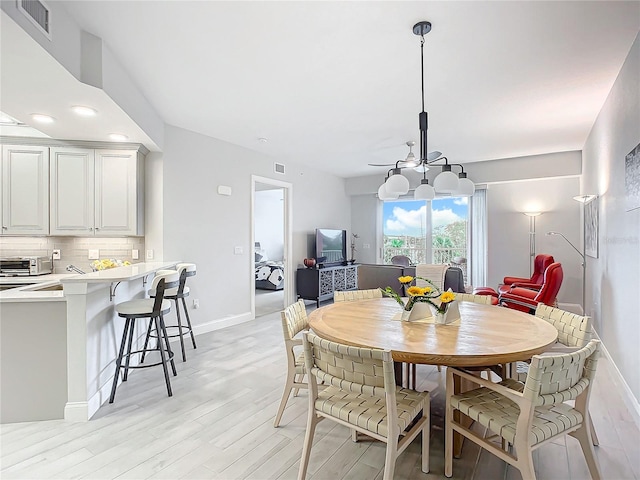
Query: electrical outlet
[149,254]
[237,251]
[94,254]
[56,254]
[135,255]
[196,303]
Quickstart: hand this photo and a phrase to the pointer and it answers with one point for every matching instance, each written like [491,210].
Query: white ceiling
[337,84]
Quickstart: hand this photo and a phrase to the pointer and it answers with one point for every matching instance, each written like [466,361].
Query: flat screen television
[331,246]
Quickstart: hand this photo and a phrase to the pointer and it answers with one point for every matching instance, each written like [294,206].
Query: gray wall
[203,227]
[613,287]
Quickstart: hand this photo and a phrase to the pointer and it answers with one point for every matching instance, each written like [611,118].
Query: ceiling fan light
[466,188]
[422,168]
[384,195]
[424,192]
[446,182]
[397,183]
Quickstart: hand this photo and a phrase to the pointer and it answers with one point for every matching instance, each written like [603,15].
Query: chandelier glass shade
[384,195]
[424,191]
[397,184]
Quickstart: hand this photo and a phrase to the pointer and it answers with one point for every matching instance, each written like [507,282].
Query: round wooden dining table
[484,335]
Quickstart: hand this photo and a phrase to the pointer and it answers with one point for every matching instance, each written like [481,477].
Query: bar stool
[154,309]
[180,292]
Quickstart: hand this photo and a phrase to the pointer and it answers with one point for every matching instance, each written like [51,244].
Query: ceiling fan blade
[431,156]
[381,164]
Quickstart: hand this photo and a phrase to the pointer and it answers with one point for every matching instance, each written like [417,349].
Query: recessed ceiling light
[84,111]
[118,137]
[39,117]
[263,139]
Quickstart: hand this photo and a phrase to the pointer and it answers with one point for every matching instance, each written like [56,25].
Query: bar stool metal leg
[184,355]
[132,325]
[146,340]
[168,346]
[119,360]
[186,312]
[164,359]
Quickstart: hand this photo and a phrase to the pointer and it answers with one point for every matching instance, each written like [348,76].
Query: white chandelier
[447,181]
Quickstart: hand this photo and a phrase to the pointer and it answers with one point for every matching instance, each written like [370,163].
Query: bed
[269,274]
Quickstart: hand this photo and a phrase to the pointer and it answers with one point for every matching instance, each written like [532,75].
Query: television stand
[319,284]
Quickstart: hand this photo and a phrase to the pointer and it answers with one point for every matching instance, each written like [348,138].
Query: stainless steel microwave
[25,266]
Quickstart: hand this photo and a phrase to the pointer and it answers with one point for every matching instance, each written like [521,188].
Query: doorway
[271,239]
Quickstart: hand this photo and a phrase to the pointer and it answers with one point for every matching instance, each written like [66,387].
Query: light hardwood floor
[219,424]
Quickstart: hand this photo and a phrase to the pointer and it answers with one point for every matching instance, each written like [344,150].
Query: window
[435,231]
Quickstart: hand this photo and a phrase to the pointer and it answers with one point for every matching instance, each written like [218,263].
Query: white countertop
[119,274]
[30,293]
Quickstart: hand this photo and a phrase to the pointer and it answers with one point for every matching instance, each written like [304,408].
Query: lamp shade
[466,188]
[384,195]
[397,184]
[446,182]
[424,192]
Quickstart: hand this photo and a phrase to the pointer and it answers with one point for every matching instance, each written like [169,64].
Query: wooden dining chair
[527,415]
[294,320]
[361,393]
[574,332]
[350,295]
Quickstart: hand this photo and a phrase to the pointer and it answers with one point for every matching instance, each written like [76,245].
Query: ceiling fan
[411,158]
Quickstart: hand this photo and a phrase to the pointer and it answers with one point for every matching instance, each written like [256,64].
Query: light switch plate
[149,254]
[135,255]
[94,254]
[237,251]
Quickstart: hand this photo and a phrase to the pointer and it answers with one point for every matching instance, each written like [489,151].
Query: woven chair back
[573,330]
[352,369]
[554,379]
[294,319]
[469,297]
[348,296]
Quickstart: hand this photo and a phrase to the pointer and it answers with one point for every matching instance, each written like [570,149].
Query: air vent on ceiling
[38,13]
[278,168]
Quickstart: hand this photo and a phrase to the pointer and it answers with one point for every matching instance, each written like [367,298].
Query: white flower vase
[440,317]
[405,315]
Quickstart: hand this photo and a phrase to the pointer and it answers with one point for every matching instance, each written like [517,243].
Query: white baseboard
[222,323]
[76,411]
[627,395]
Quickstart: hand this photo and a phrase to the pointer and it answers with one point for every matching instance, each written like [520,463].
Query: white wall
[269,222]
[613,287]
[203,227]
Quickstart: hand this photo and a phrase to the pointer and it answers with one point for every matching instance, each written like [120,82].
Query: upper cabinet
[25,190]
[96,192]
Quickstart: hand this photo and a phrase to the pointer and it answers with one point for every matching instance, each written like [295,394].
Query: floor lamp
[584,266]
[532,238]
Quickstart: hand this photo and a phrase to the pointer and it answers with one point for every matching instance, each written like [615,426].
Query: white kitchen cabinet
[96,192]
[25,190]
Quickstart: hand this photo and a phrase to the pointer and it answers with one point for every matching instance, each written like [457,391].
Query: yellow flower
[426,290]
[413,291]
[405,280]
[447,297]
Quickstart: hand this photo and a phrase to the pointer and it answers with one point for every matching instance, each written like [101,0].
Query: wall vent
[38,13]
[278,168]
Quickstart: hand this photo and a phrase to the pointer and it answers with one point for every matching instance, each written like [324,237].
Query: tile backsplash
[73,250]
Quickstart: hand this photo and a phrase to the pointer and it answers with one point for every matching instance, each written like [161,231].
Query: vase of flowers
[438,301]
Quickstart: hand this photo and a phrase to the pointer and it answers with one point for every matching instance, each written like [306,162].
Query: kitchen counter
[77,331]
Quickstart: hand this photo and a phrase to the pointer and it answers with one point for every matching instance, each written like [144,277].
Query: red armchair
[526,299]
[540,264]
